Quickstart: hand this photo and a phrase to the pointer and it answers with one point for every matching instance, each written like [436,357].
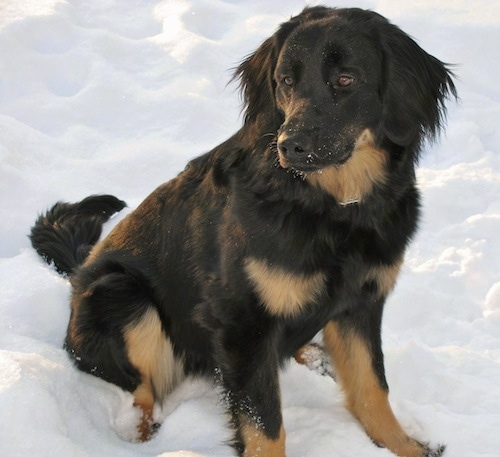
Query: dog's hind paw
[314,357]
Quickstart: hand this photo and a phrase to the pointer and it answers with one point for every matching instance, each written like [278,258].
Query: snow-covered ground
[114,96]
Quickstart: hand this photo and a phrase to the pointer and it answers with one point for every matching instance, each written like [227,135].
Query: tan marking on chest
[283,293]
[351,182]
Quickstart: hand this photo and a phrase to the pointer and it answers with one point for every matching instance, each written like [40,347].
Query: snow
[109,96]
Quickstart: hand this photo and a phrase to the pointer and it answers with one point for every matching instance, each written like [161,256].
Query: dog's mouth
[311,162]
[308,164]
[330,154]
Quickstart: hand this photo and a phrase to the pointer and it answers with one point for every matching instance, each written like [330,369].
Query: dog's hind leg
[151,353]
[316,358]
[115,332]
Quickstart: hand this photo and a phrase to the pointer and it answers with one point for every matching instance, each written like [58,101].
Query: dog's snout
[292,145]
[296,150]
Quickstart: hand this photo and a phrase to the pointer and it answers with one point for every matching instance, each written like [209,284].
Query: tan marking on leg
[355,179]
[283,293]
[257,444]
[151,352]
[144,399]
[365,398]
[385,277]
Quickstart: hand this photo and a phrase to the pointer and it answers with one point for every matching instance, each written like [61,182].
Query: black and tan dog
[296,224]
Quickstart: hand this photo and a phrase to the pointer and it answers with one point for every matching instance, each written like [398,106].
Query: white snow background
[110,96]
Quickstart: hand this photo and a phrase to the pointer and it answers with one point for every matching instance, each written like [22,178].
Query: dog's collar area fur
[353,200]
[350,201]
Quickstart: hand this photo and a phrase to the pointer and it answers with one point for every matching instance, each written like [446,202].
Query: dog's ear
[415,90]
[256,81]
[256,72]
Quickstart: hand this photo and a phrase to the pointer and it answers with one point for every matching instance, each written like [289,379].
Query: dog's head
[330,80]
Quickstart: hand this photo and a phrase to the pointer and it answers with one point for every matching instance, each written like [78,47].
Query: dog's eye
[345,80]
[288,81]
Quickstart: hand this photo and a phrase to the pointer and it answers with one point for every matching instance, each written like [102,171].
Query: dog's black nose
[294,146]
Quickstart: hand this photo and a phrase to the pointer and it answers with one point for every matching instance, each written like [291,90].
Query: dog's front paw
[410,447]
[435,452]
[424,450]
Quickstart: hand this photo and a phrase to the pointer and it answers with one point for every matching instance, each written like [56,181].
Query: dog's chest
[281,291]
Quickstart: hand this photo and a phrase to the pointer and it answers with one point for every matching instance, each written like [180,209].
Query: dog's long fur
[296,224]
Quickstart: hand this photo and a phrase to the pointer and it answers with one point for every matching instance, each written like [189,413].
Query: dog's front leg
[249,371]
[354,343]
[257,441]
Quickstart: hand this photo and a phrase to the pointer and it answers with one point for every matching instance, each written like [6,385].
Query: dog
[294,226]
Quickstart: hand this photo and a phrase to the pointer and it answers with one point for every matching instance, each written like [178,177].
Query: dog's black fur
[297,223]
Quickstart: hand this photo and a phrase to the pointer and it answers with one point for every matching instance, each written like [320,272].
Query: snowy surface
[114,96]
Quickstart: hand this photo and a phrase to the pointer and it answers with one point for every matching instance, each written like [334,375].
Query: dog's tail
[65,234]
